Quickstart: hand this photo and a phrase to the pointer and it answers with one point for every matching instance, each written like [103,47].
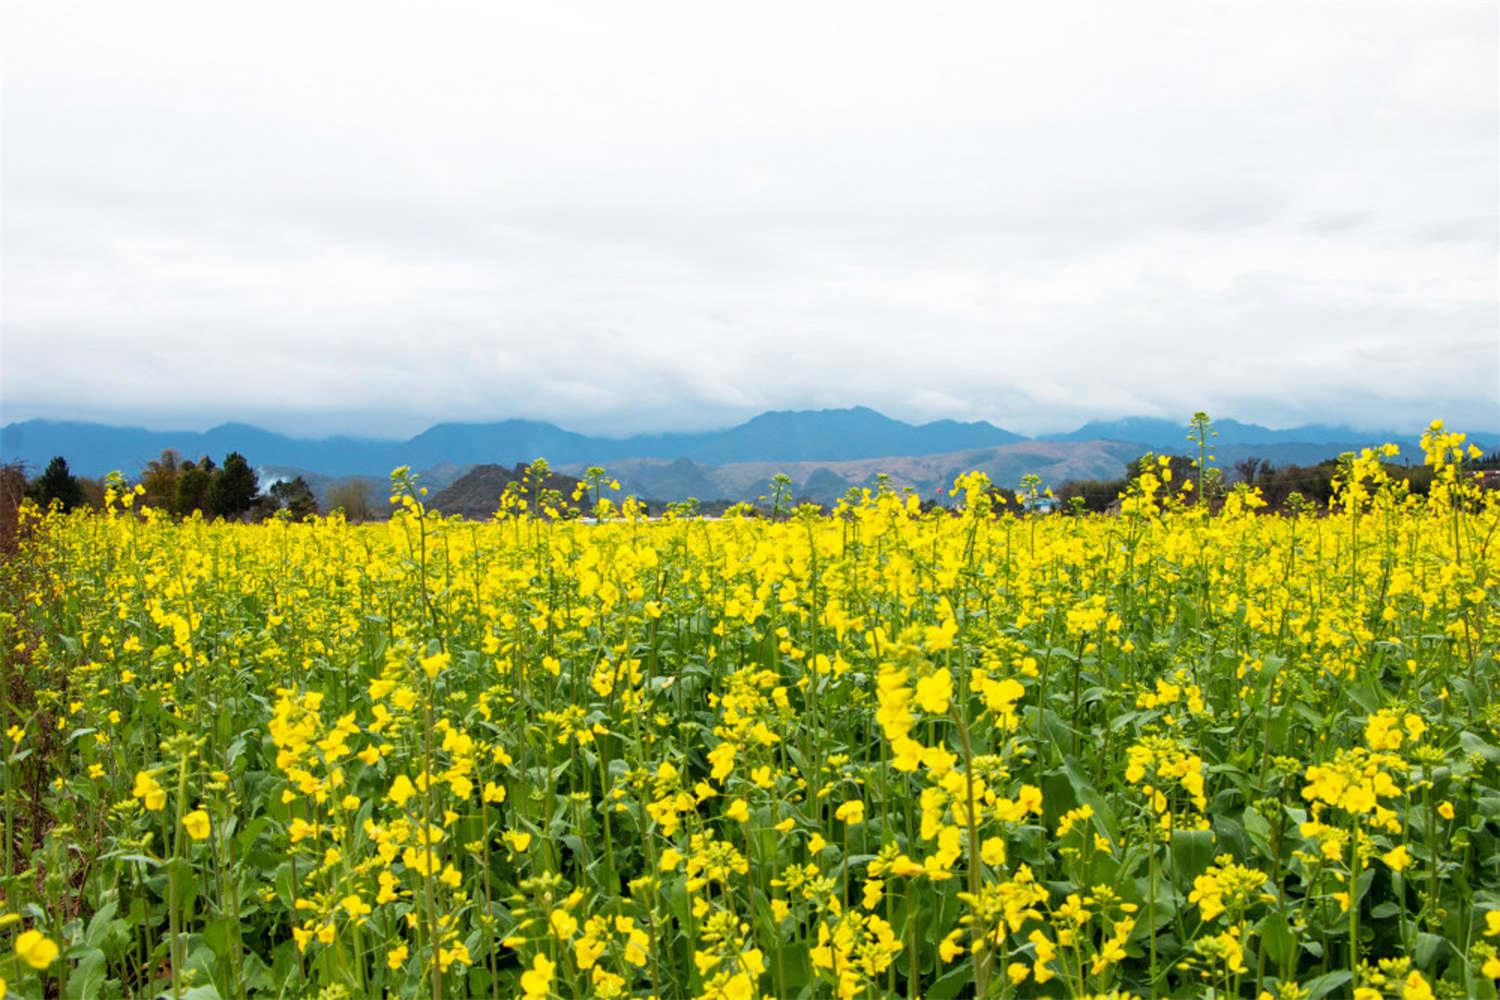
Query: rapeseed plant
[884,752]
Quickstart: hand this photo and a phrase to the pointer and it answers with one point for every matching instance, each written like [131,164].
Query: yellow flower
[1397,857]
[586,951]
[670,859]
[456,952]
[905,867]
[401,790]
[1046,951]
[536,982]
[1030,799]
[36,949]
[1445,810]
[564,925]
[950,948]
[739,811]
[934,691]
[908,754]
[1492,923]
[1416,988]
[396,957]
[434,664]
[147,790]
[851,812]
[197,824]
[722,759]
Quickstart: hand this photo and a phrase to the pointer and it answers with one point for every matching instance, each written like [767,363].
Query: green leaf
[1362,696]
[1277,940]
[98,928]
[952,984]
[219,935]
[89,976]
[1473,744]
[1326,984]
[1192,850]
[149,862]
[1426,949]
[1258,829]
[1104,813]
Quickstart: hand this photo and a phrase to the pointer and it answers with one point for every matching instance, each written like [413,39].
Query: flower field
[878,752]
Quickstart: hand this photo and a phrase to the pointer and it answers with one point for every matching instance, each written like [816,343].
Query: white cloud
[635,217]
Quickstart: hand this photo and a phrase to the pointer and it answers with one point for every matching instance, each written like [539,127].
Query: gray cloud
[353,217]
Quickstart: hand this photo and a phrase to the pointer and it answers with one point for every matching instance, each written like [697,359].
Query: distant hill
[95,449]
[817,435]
[1168,435]
[476,494]
[824,451]
[824,482]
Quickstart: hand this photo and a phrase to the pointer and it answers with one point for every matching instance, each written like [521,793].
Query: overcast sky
[627,216]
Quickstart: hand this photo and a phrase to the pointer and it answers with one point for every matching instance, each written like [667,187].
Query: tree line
[1284,488]
[184,487]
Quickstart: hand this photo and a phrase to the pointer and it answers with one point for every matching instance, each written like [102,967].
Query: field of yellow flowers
[880,752]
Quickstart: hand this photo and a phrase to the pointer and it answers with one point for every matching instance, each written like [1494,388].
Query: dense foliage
[883,752]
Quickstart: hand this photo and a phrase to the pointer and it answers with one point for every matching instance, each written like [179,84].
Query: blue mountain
[809,435]
[777,436]
[1171,435]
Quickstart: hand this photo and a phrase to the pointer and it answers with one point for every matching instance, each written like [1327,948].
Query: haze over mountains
[823,451]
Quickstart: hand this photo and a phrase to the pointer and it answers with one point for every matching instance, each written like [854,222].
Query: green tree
[159,477]
[235,487]
[57,483]
[194,480]
[293,496]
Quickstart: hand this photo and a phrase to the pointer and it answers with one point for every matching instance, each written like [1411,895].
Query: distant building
[1040,505]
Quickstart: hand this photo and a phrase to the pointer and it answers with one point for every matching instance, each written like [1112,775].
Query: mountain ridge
[830,436]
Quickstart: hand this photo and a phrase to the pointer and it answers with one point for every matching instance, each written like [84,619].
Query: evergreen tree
[193,483]
[235,487]
[57,483]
